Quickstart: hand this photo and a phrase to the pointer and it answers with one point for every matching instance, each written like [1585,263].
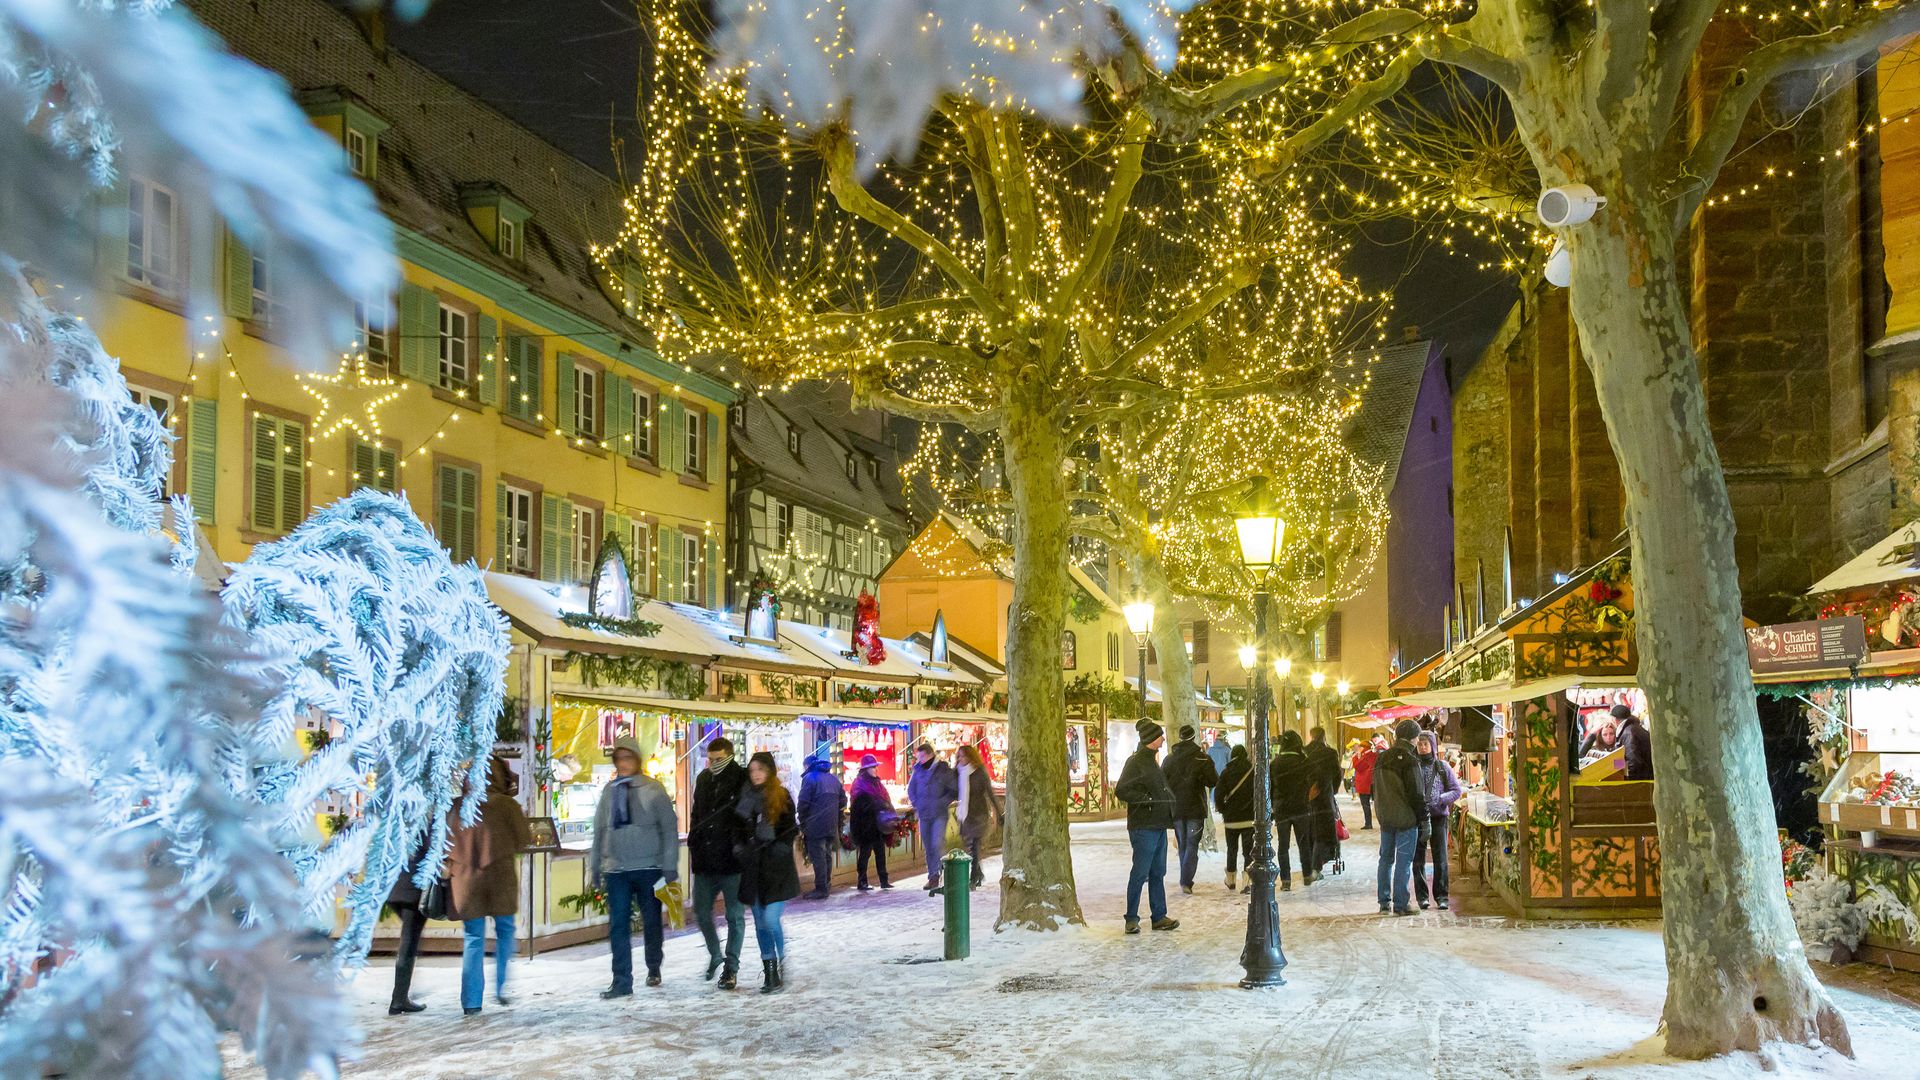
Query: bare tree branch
[1236,280]
[867,395]
[1113,210]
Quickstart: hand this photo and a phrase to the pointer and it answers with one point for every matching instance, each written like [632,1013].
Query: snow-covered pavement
[1367,997]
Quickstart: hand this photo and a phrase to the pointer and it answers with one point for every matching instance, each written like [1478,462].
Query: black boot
[729,976]
[773,985]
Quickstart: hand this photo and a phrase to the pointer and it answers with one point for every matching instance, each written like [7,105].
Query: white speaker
[1569,205]
[1559,269]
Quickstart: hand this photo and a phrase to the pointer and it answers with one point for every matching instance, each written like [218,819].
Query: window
[370,335]
[640,558]
[737,416]
[873,467]
[853,471]
[358,159]
[373,466]
[1113,651]
[162,406]
[586,541]
[690,569]
[263,306]
[509,238]
[642,420]
[456,366]
[1069,650]
[516,509]
[153,236]
[586,402]
[782,524]
[457,510]
[279,476]
[793,441]
[696,463]
[1201,631]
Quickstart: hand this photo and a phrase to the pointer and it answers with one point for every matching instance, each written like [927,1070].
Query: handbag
[1340,830]
[436,901]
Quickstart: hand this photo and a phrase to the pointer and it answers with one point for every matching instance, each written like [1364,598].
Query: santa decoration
[867,645]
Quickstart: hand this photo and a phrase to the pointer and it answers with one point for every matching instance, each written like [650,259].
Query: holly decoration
[867,645]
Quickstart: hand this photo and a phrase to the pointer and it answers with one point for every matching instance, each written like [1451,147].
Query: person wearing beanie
[1401,807]
[1637,746]
[1143,787]
[822,804]
[1191,775]
[636,843]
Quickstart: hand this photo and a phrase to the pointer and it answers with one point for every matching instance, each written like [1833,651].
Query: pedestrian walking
[483,869]
[768,876]
[1143,787]
[1403,814]
[1442,789]
[713,831]
[871,820]
[1323,773]
[1290,784]
[822,802]
[931,789]
[976,809]
[1190,773]
[636,846]
[404,898]
[1235,798]
[1637,745]
[1364,763]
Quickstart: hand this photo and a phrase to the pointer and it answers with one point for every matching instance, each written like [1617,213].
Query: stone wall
[1480,457]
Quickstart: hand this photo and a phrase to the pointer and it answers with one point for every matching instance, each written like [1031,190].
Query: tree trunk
[1036,883]
[1179,704]
[1736,974]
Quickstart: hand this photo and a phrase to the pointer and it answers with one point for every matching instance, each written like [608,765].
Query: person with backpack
[1403,815]
[712,832]
[1190,773]
[1235,798]
[871,821]
[822,801]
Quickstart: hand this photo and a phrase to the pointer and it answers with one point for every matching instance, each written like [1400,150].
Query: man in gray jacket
[636,843]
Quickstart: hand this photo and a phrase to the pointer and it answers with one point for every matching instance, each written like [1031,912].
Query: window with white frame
[696,463]
[782,524]
[263,305]
[370,335]
[586,401]
[642,420]
[586,541]
[509,238]
[162,405]
[517,511]
[640,558]
[456,364]
[153,236]
[358,160]
[690,590]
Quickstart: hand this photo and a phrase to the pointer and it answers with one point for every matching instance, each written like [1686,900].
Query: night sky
[569,69]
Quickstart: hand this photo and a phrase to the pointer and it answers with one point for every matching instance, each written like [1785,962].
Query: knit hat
[1408,729]
[1621,712]
[1186,732]
[869,761]
[1148,730]
[629,744]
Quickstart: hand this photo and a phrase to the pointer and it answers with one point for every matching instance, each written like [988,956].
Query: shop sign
[1806,646]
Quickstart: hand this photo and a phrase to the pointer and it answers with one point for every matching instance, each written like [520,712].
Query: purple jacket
[1442,786]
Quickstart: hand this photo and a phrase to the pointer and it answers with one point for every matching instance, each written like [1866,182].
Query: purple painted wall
[1420,536]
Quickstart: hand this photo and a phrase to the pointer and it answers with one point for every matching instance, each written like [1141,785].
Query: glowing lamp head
[1261,531]
[1343,687]
[1139,616]
[1318,679]
[1249,656]
[1283,666]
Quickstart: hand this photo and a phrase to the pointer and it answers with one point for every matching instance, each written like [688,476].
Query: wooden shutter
[663,565]
[706,447]
[293,475]
[446,521]
[523,396]
[713,559]
[565,540]
[238,292]
[640,559]
[469,503]
[365,465]
[489,360]
[264,444]
[456,519]
[563,394]
[619,414]
[419,333]
[549,538]
[500,562]
[387,465]
[1333,636]
[203,441]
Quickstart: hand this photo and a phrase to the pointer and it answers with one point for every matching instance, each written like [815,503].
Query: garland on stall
[862,694]
[1892,615]
[639,628]
[732,685]
[1099,688]
[951,699]
[998,703]
[679,679]
[782,688]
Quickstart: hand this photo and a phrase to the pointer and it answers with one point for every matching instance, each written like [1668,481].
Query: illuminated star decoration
[349,398]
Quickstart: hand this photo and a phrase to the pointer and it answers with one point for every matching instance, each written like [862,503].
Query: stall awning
[1879,665]
[1502,691]
[1887,561]
[896,717]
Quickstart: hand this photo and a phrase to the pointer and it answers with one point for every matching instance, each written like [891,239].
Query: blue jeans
[1149,869]
[473,959]
[1187,835]
[622,886]
[767,932]
[1396,861]
[933,840]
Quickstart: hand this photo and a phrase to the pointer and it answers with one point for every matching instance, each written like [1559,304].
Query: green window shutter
[534,365]
[706,447]
[673,434]
[457,516]
[419,333]
[293,475]
[663,562]
[264,441]
[563,394]
[500,527]
[549,538]
[713,563]
[619,414]
[386,463]
[203,441]
[366,466]
[620,527]
[489,346]
[565,540]
[469,514]
[522,393]
[239,284]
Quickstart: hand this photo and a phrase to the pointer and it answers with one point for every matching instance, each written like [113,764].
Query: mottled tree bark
[1179,703]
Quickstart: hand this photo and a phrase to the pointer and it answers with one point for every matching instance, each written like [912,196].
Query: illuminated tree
[1020,280]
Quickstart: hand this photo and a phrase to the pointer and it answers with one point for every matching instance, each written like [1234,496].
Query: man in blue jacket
[931,789]
[822,800]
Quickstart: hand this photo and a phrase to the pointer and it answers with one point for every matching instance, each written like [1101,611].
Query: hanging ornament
[867,645]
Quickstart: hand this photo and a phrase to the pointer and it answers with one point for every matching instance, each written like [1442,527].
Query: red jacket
[1363,770]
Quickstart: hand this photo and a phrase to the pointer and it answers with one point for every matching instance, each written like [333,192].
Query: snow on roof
[905,660]
[1889,560]
[537,606]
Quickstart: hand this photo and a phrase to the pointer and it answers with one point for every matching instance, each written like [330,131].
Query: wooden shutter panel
[387,465]
[366,469]
[419,333]
[293,475]
[565,540]
[549,538]
[264,443]
[673,452]
[469,513]
[238,293]
[706,447]
[663,564]
[619,414]
[1333,636]
[490,366]
[563,394]
[446,521]
[640,559]
[500,527]
[203,441]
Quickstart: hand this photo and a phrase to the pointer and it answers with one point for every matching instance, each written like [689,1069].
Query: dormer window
[793,441]
[359,155]
[509,238]
[873,468]
[737,416]
[852,472]
[343,115]
[499,218]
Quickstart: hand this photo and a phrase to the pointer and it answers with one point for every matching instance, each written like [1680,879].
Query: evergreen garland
[639,628]
[679,679]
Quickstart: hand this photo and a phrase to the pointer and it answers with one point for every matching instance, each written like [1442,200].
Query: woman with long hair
[870,820]
[768,876]
[976,809]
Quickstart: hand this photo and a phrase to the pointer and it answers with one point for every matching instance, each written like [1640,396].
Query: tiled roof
[821,469]
[441,140]
[1378,431]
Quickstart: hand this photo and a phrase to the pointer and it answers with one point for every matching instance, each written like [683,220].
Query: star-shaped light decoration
[350,398]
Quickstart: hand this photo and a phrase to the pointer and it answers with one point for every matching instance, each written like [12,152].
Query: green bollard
[956,887]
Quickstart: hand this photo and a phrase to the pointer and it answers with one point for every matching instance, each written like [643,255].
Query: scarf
[723,763]
[966,773]
[622,815]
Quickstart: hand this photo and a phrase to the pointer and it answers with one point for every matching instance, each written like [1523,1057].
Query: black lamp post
[1139,616]
[1261,531]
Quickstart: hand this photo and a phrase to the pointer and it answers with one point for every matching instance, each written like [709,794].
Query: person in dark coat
[1442,789]
[976,809]
[1402,808]
[931,789]
[713,830]
[1290,782]
[822,802]
[1235,797]
[1143,787]
[871,820]
[768,876]
[1637,743]
[1190,773]
[404,898]
[483,867]
[1323,771]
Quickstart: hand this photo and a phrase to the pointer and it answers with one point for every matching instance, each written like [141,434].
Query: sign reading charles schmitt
[1807,646]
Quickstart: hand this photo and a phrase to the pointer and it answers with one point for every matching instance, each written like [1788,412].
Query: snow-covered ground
[1367,997]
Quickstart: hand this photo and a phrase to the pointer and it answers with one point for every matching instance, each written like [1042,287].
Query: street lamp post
[1139,616]
[1261,531]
